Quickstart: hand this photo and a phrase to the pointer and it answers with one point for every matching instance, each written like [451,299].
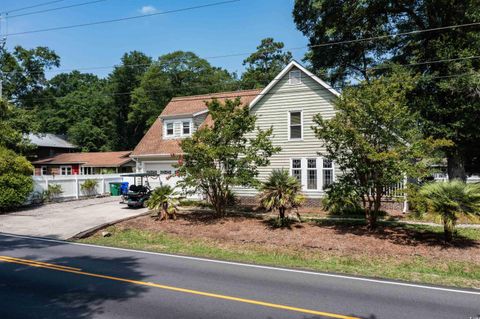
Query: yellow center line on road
[39,263]
[77,271]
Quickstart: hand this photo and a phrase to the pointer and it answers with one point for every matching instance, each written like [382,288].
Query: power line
[386,36]
[232,94]
[33,6]
[54,9]
[425,62]
[124,19]
[223,56]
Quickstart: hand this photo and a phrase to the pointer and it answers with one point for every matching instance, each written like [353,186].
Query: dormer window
[169,130]
[177,128]
[295,77]
[186,127]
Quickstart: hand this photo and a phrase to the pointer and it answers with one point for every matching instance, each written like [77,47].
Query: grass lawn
[418,257]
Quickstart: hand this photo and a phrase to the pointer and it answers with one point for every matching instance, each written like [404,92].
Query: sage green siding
[273,111]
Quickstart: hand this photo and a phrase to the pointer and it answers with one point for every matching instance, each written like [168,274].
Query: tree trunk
[456,166]
[281,212]
[448,232]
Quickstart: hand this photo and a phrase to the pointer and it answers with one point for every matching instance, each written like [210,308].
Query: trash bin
[115,189]
[124,188]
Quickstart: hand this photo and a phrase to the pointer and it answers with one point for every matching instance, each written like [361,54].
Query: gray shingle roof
[49,140]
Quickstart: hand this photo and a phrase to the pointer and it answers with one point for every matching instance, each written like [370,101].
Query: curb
[91,231]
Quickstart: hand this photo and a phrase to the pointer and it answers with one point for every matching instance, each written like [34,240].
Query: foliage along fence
[71,184]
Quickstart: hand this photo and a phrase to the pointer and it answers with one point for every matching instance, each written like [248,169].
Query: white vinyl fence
[71,184]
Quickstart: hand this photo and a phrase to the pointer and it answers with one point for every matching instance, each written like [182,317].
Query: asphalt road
[55,279]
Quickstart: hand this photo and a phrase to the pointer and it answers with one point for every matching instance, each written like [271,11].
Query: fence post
[103,186]
[405,198]
[76,187]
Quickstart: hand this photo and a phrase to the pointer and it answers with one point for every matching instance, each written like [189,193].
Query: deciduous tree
[374,139]
[446,97]
[221,155]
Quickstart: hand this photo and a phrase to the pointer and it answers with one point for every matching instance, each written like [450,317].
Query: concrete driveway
[65,220]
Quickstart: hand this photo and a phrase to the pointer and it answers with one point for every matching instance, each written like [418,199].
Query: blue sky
[221,30]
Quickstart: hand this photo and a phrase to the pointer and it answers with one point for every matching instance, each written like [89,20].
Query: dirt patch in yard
[337,239]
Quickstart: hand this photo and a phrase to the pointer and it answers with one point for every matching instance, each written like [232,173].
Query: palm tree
[163,201]
[450,199]
[281,192]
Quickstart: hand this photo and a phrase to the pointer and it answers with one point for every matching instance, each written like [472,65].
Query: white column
[76,187]
[102,189]
[405,199]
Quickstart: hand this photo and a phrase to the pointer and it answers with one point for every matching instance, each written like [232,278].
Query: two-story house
[288,104]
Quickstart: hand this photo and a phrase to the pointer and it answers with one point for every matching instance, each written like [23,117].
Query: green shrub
[417,204]
[163,202]
[281,192]
[53,192]
[89,187]
[451,199]
[342,200]
[16,182]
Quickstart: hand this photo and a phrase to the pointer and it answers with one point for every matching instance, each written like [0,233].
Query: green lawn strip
[418,269]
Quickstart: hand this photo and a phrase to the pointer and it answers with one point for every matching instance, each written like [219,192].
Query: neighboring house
[49,145]
[85,163]
[288,104]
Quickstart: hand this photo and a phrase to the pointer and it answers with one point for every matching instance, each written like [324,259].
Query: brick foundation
[253,202]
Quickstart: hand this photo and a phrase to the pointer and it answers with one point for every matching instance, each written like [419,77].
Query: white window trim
[301,168]
[165,130]
[177,124]
[304,173]
[290,77]
[317,161]
[41,169]
[321,172]
[66,167]
[289,125]
[190,122]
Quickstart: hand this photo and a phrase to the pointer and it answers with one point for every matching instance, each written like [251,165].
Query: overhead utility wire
[33,6]
[218,56]
[123,19]
[54,9]
[206,95]
[392,35]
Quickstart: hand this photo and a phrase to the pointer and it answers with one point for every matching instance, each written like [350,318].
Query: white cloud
[148,10]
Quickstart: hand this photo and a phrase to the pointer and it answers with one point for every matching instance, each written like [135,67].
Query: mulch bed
[336,239]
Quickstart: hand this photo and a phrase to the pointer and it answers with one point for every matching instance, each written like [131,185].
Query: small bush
[89,187]
[16,182]
[342,200]
[53,192]
[417,204]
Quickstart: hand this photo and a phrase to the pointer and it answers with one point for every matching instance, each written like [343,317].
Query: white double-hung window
[312,174]
[296,170]
[65,170]
[327,172]
[186,127]
[295,123]
[169,129]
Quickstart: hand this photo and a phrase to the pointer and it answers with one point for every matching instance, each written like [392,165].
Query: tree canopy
[222,155]
[446,96]
[264,64]
[375,140]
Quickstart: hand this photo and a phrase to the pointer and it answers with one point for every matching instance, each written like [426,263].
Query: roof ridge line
[209,94]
